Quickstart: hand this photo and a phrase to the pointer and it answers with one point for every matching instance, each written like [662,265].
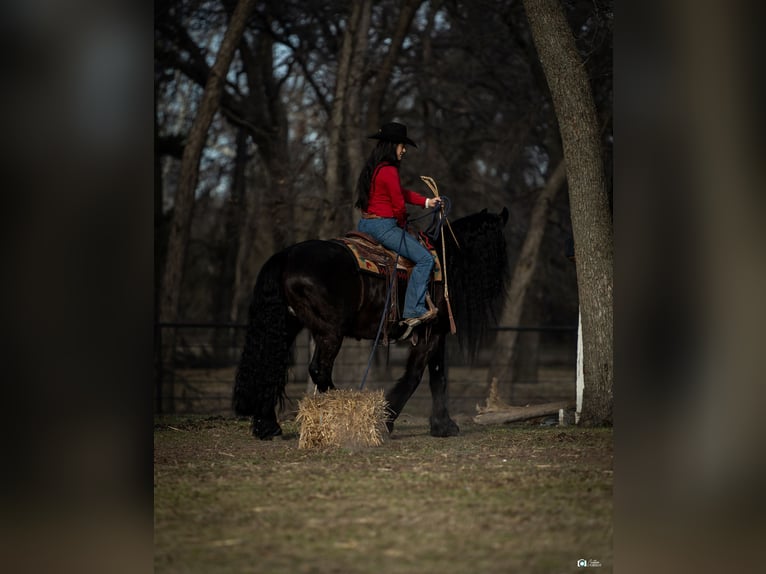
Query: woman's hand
[433,201]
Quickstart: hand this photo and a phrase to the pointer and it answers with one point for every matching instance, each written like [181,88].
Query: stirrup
[410,323]
[407,331]
[413,322]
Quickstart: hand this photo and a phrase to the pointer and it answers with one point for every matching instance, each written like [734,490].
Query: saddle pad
[372,257]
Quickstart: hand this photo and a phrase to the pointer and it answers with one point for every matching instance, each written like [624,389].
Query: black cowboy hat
[393,132]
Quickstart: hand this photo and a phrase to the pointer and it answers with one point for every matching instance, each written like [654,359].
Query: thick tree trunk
[265,117]
[502,362]
[184,199]
[589,203]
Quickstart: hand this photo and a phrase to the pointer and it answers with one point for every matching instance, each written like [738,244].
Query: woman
[382,201]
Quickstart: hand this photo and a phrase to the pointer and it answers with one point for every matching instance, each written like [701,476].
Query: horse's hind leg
[265,423]
[441,423]
[325,353]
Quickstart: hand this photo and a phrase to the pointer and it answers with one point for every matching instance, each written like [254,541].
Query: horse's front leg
[441,423]
[401,392]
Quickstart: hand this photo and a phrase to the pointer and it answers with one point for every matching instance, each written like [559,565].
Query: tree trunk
[502,363]
[383,76]
[158,216]
[527,353]
[427,87]
[353,138]
[184,199]
[280,204]
[234,214]
[589,203]
[264,115]
[246,270]
[336,147]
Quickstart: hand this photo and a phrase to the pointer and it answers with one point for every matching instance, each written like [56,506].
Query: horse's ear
[504,215]
[483,211]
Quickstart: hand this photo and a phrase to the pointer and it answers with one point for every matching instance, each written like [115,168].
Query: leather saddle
[373,258]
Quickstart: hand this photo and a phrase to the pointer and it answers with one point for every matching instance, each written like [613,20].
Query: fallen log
[510,414]
[496,411]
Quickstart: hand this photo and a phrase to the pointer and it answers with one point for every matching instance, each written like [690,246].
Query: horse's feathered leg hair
[271,330]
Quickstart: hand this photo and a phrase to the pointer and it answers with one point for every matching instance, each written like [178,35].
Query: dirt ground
[526,497]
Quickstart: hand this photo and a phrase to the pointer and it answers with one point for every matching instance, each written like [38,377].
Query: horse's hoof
[390,426]
[442,429]
[266,430]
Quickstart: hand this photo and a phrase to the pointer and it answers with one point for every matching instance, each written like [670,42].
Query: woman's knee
[426,261]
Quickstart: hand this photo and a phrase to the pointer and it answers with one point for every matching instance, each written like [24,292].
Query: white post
[580,376]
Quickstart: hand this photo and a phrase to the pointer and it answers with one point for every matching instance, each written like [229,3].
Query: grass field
[496,499]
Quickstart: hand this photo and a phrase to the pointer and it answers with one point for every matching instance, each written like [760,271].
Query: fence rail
[196,375]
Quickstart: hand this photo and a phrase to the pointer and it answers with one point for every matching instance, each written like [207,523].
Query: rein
[439,230]
[438,219]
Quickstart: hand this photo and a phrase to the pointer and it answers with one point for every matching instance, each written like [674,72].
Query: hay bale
[343,418]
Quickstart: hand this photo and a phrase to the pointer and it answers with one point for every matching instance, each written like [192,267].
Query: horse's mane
[477,274]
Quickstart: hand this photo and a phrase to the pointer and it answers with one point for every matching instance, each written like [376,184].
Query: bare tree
[591,217]
[262,112]
[386,68]
[233,222]
[463,75]
[184,198]
[350,119]
[347,88]
[505,345]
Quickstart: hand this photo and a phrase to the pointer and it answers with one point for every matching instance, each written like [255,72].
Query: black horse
[317,284]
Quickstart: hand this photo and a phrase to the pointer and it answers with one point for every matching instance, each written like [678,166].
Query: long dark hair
[384,152]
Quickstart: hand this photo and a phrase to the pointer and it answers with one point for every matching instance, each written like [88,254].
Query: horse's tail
[261,374]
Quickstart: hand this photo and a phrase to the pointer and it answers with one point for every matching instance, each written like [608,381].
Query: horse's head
[478,273]
[482,230]
[503,214]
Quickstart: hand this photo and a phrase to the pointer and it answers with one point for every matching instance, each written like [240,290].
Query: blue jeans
[389,234]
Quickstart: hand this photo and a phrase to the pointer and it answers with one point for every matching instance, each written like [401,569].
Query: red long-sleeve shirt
[388,197]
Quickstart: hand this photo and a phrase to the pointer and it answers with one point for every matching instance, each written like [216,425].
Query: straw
[343,418]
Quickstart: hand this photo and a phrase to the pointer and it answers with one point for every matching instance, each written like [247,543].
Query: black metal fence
[195,364]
